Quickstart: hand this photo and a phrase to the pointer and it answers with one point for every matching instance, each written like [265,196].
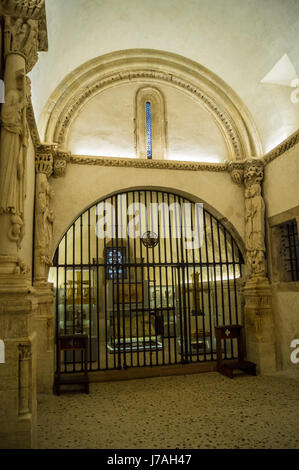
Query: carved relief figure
[44,225]
[255,219]
[14,142]
[22,37]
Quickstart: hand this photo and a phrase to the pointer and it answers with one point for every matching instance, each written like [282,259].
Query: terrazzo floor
[198,411]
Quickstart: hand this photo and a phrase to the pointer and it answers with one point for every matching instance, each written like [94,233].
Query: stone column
[23,34]
[259,323]
[49,162]
[20,39]
[24,378]
[44,220]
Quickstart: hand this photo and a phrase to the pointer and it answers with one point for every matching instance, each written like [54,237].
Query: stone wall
[85,184]
[282,204]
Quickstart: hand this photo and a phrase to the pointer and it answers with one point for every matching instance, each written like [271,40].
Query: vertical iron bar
[89,295]
[97,275]
[137,309]
[123,271]
[117,287]
[209,288]
[228,290]
[136,276]
[234,274]
[171,230]
[106,279]
[222,289]
[182,262]
[187,297]
[112,281]
[196,307]
[128,260]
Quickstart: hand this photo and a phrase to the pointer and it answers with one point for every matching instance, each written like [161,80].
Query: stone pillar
[44,219]
[18,405]
[259,323]
[23,34]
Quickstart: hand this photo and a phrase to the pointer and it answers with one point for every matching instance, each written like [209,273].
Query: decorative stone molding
[151,68]
[32,125]
[153,164]
[286,145]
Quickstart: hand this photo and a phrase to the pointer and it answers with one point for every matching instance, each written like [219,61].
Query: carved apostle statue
[255,218]
[14,142]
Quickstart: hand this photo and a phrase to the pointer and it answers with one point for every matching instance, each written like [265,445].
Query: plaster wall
[105,126]
[282,203]
[286,311]
[281,183]
[84,185]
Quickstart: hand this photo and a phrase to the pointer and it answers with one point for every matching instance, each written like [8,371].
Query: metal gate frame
[139,328]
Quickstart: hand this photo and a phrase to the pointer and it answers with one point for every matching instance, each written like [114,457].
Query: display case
[132,323]
[194,316]
[76,309]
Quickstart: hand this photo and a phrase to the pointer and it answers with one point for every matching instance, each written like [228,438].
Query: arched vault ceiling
[239,42]
[139,65]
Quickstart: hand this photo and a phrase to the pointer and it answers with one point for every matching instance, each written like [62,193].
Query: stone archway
[226,108]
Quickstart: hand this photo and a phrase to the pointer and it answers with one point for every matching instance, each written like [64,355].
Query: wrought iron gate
[147,275]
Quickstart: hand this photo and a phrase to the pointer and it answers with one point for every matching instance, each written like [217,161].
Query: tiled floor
[192,411]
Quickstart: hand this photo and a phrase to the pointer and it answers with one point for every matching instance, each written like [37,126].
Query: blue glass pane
[148,130]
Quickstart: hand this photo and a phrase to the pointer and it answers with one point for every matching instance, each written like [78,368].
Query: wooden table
[227,368]
[75,342]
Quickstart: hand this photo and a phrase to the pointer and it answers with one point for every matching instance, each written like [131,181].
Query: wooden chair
[72,343]
[227,368]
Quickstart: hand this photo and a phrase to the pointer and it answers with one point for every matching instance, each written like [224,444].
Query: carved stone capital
[21,37]
[253,171]
[29,10]
[44,159]
[61,158]
[23,8]
[24,351]
[236,170]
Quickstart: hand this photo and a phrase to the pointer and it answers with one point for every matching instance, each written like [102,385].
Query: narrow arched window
[148,111]
[151,124]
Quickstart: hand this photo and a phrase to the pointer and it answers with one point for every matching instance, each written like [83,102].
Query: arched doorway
[147,274]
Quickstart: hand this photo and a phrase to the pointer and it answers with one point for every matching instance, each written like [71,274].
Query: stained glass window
[148,129]
[114,258]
